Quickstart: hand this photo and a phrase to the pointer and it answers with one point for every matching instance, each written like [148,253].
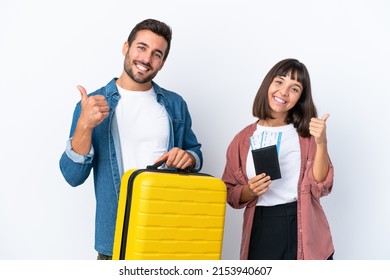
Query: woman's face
[283,94]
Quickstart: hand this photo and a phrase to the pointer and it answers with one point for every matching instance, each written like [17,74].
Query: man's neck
[124,81]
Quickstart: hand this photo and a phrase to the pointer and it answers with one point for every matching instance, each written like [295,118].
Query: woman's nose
[283,91]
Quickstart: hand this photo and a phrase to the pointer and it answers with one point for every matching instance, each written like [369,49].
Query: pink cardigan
[314,236]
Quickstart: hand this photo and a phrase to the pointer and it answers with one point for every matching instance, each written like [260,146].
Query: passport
[266,161]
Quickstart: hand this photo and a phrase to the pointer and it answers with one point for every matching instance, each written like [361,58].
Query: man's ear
[161,66]
[125,48]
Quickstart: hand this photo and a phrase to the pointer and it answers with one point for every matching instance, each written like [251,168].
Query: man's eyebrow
[159,51]
[143,44]
[146,45]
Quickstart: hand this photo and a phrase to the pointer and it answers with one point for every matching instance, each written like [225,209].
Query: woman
[283,218]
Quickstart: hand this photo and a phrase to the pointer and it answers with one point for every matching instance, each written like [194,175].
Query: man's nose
[146,58]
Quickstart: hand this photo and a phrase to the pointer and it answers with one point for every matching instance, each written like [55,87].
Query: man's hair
[157,27]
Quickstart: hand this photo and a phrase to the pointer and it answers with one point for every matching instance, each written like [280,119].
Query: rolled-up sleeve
[77,158]
[75,167]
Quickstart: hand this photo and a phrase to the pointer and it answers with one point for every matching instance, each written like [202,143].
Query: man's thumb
[83,92]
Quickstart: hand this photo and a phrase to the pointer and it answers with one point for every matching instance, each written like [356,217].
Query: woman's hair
[156,27]
[303,111]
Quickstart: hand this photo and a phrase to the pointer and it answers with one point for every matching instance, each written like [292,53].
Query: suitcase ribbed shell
[171,216]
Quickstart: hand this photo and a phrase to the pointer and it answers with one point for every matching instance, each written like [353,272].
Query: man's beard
[138,78]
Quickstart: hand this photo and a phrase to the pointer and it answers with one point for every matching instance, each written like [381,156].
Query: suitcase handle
[160,163]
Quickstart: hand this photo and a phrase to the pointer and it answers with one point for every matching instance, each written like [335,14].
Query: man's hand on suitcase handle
[177,158]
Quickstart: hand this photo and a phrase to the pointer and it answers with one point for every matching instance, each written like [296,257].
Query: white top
[282,190]
[143,126]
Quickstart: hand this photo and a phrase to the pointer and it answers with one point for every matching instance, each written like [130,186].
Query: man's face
[144,57]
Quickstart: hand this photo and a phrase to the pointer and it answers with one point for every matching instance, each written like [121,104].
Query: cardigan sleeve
[234,176]
[318,189]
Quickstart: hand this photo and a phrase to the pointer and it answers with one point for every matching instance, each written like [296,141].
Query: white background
[221,51]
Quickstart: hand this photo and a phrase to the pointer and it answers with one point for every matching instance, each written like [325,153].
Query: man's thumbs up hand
[94,109]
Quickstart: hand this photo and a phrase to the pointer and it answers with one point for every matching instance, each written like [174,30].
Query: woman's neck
[272,122]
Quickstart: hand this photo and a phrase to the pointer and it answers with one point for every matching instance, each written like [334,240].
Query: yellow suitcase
[169,215]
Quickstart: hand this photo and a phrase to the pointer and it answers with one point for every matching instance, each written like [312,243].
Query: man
[129,123]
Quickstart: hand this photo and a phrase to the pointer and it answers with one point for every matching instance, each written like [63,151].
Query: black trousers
[274,233]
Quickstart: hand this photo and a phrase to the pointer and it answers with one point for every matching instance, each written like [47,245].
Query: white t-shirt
[143,126]
[282,190]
